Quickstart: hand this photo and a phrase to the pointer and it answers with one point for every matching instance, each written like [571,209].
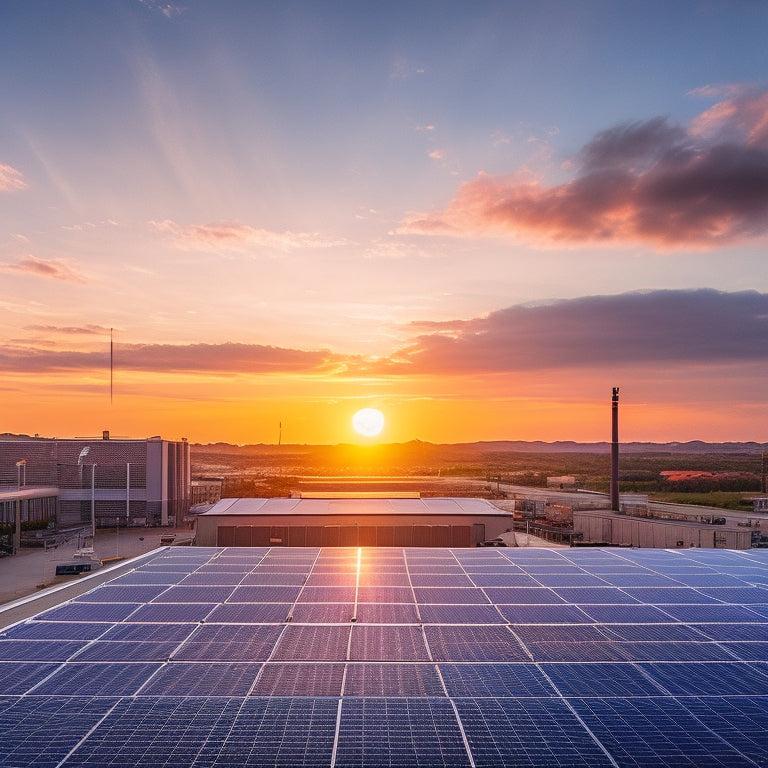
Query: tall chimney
[615,450]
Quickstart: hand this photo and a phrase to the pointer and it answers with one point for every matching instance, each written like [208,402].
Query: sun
[368,422]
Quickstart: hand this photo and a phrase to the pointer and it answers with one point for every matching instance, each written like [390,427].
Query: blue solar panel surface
[398,657]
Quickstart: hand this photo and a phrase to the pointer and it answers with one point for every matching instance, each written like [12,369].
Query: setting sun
[368,422]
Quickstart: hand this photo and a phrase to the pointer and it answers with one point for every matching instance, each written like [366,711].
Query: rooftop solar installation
[398,657]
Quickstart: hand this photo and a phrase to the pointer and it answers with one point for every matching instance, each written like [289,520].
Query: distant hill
[478,449]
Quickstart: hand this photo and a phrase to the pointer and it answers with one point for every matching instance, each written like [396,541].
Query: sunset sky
[476,217]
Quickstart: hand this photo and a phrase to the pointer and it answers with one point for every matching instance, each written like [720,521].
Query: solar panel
[55,630]
[172,612]
[97,680]
[42,730]
[124,651]
[742,721]
[18,676]
[601,680]
[323,613]
[399,732]
[202,679]
[267,680]
[230,642]
[527,732]
[716,679]
[490,680]
[311,642]
[656,732]
[299,680]
[371,642]
[480,643]
[194,594]
[460,614]
[369,679]
[387,613]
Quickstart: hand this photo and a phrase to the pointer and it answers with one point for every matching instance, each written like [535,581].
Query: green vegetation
[722,499]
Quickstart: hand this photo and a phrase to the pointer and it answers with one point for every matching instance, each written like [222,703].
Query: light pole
[17,516]
[93,503]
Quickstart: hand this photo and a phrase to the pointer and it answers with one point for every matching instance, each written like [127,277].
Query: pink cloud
[51,269]
[226,358]
[11,180]
[238,237]
[647,182]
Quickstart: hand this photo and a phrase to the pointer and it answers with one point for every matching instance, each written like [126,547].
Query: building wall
[129,482]
[663,534]
[348,530]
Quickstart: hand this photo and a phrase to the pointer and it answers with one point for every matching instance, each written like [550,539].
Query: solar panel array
[398,657]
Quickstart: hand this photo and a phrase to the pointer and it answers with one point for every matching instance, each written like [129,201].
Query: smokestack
[615,450]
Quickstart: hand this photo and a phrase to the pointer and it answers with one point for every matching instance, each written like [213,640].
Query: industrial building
[70,482]
[351,522]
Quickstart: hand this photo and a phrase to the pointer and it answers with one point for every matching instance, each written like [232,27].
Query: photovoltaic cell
[106,612]
[491,680]
[39,650]
[718,612]
[286,732]
[367,679]
[588,651]
[153,732]
[387,613]
[323,613]
[522,596]
[516,579]
[544,614]
[312,642]
[656,732]
[460,614]
[249,613]
[715,679]
[742,721]
[41,730]
[194,594]
[97,680]
[172,612]
[202,679]
[600,680]
[385,595]
[527,732]
[55,630]
[468,643]
[124,651]
[327,595]
[230,642]
[452,596]
[122,594]
[654,632]
[299,680]
[19,677]
[733,632]
[264,594]
[399,732]
[172,633]
[371,642]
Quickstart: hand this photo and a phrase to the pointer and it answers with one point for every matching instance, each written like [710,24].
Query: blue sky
[349,183]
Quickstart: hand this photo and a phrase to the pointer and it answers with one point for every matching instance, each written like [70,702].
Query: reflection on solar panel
[302,657]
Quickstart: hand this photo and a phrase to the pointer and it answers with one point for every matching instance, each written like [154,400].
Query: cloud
[700,186]
[227,358]
[674,327]
[237,237]
[51,269]
[169,10]
[11,180]
[89,330]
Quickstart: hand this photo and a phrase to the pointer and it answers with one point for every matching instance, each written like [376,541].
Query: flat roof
[398,657]
[355,507]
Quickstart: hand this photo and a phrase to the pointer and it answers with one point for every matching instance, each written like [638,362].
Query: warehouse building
[351,522]
[607,527]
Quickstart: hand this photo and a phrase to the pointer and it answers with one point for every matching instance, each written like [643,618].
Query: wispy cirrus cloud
[670,327]
[699,186]
[49,269]
[11,180]
[238,237]
[226,358]
[69,330]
